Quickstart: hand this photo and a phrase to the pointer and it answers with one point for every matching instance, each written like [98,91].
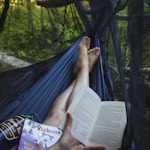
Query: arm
[68,142]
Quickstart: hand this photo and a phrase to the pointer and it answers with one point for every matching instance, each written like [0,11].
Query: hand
[68,142]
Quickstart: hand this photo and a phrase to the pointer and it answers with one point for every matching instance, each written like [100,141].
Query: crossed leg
[84,65]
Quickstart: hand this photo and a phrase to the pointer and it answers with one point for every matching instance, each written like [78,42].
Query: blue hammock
[39,95]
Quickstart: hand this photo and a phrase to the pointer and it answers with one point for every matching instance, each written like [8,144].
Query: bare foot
[85,43]
[83,54]
[93,55]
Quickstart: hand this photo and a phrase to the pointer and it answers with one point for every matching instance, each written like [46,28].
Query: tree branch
[125,17]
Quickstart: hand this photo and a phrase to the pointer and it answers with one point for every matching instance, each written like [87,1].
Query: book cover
[38,136]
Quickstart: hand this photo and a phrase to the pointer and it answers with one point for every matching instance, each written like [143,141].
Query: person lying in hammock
[84,66]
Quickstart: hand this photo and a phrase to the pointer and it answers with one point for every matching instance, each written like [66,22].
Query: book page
[83,108]
[109,126]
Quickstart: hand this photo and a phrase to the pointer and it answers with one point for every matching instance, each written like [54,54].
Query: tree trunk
[4,14]
[141,123]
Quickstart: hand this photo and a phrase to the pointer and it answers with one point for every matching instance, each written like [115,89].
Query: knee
[56,115]
[54,118]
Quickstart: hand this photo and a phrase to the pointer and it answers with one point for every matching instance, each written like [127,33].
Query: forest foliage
[34,33]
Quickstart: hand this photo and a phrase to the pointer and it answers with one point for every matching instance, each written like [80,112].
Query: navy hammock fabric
[33,89]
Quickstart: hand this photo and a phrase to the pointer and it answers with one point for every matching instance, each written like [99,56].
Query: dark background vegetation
[34,33]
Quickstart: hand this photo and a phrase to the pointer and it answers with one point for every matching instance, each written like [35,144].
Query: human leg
[83,68]
[85,64]
[59,106]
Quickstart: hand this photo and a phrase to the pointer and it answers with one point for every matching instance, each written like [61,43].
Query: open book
[97,122]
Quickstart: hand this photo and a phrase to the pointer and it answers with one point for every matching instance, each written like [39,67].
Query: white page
[110,125]
[84,108]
